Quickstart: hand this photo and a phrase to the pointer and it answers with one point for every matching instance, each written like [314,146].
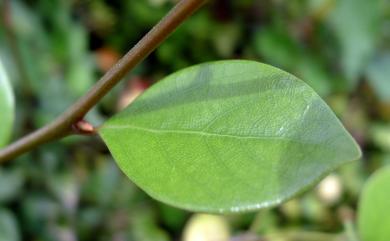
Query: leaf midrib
[201,133]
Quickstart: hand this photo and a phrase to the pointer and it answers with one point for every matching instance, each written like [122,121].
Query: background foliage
[54,50]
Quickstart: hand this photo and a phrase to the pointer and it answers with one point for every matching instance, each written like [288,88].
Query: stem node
[83,127]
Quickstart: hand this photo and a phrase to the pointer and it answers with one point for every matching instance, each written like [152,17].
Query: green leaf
[6,107]
[9,229]
[373,218]
[228,136]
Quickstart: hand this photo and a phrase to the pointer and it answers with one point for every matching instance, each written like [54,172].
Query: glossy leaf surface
[6,107]
[228,136]
[374,219]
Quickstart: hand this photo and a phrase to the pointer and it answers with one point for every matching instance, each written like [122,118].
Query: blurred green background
[54,50]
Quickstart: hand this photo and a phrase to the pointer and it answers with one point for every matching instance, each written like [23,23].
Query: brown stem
[62,126]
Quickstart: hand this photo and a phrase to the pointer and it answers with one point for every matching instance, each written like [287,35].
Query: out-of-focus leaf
[62,233]
[277,47]
[356,25]
[6,107]
[145,227]
[66,189]
[226,38]
[147,14]
[352,178]
[11,182]
[206,138]
[378,74]
[25,22]
[291,209]
[314,74]
[38,211]
[174,218]
[373,218]
[103,182]
[88,220]
[81,69]
[266,221]
[312,208]
[50,109]
[102,16]
[381,136]
[158,3]
[9,229]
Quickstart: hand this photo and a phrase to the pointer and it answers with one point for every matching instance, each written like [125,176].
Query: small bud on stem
[83,127]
